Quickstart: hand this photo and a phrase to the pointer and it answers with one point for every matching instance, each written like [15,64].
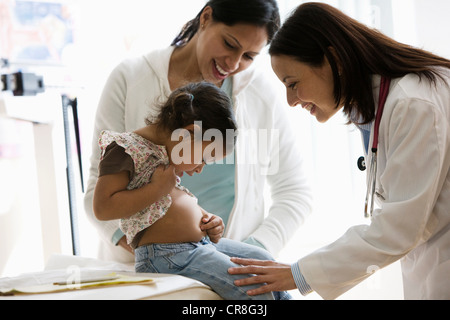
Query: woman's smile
[311,107]
[219,72]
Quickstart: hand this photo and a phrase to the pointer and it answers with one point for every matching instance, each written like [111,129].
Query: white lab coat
[413,191]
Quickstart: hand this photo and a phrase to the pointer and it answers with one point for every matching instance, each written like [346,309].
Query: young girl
[139,183]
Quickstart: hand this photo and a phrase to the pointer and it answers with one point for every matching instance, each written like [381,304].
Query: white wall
[423,23]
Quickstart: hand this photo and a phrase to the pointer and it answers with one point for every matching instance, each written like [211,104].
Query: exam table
[61,269]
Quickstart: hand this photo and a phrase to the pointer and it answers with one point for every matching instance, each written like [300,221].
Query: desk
[60,267]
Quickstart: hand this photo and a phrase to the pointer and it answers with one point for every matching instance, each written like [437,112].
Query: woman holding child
[218,46]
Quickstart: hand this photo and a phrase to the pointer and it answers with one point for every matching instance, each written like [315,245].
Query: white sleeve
[110,116]
[411,173]
[289,185]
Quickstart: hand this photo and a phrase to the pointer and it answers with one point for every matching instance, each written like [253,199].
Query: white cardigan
[129,97]
[413,189]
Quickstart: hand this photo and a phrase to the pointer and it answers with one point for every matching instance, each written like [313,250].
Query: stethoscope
[371,183]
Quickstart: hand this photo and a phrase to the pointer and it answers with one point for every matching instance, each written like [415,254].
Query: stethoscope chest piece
[362,164]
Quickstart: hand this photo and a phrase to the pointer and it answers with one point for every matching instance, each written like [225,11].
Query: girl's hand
[272,276]
[165,178]
[213,225]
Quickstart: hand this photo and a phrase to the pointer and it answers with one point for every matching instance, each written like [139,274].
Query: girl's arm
[113,201]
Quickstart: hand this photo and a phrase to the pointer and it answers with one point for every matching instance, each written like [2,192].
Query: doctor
[328,63]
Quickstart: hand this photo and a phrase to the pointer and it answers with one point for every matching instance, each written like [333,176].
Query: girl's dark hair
[314,28]
[197,102]
[230,12]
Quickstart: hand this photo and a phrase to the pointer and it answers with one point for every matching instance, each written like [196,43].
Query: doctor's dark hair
[316,31]
[202,102]
[263,13]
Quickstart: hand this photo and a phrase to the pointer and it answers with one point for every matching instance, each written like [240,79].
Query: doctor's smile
[310,107]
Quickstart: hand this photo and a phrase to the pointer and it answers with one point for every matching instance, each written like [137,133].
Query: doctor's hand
[272,276]
[213,226]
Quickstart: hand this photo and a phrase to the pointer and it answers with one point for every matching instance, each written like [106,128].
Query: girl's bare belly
[180,224]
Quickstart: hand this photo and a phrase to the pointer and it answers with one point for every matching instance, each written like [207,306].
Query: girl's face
[312,88]
[191,163]
[223,51]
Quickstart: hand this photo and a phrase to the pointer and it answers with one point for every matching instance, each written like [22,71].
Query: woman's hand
[213,225]
[123,243]
[272,276]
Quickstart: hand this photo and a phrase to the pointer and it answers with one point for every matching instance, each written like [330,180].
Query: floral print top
[146,156]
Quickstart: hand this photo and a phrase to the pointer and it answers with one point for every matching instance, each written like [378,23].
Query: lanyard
[384,91]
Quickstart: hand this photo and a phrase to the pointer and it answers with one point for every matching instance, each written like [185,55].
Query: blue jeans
[206,262]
